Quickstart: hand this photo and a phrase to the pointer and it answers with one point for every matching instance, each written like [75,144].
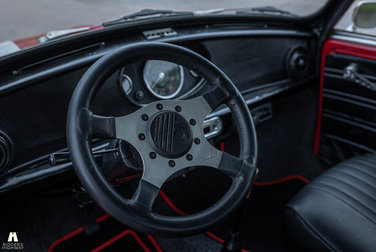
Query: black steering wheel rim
[136,216]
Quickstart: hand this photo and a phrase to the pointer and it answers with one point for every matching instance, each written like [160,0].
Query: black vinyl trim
[349,101]
[309,227]
[360,146]
[349,122]
[356,97]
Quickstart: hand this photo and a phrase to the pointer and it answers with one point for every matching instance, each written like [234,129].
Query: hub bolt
[192,122]
[159,106]
[197,141]
[145,117]
[171,163]
[189,157]
[152,155]
[178,109]
[141,137]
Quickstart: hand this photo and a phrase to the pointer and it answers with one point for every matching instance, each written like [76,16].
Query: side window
[360,18]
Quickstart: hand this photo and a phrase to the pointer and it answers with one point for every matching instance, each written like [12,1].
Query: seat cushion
[336,211]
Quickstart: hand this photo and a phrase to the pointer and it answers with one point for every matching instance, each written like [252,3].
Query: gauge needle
[160,77]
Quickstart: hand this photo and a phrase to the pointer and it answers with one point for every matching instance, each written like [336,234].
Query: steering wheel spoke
[145,194]
[103,126]
[123,127]
[214,97]
[230,164]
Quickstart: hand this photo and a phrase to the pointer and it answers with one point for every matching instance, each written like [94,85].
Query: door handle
[351,73]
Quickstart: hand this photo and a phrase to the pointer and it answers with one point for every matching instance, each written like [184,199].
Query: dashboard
[36,87]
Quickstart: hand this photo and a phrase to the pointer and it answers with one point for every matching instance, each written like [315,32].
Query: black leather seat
[336,211]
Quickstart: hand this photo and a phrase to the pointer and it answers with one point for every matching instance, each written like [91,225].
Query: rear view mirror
[364,15]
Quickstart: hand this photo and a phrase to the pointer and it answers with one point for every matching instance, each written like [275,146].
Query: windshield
[23,18]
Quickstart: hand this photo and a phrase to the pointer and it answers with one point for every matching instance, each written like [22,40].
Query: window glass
[23,18]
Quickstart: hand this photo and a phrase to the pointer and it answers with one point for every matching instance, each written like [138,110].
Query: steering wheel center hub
[169,134]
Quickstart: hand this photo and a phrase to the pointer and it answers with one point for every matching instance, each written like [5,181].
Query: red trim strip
[103,217]
[343,47]
[64,238]
[222,146]
[215,237]
[119,236]
[154,242]
[74,233]
[282,180]
[172,205]
[109,242]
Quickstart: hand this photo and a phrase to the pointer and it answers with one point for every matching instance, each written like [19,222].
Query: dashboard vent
[6,152]
[159,33]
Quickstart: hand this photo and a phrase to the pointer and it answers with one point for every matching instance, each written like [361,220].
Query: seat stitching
[356,177]
[357,169]
[364,159]
[349,184]
[318,188]
[362,162]
[357,163]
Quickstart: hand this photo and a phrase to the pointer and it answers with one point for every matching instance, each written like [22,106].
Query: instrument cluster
[152,80]
[146,82]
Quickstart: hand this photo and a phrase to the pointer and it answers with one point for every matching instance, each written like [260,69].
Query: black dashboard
[36,85]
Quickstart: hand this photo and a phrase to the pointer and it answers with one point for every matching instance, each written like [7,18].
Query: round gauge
[126,84]
[164,79]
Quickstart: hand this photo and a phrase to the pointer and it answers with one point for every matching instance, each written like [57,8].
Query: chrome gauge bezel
[126,77]
[161,96]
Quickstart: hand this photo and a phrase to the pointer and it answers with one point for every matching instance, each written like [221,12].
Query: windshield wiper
[234,11]
[62,33]
[147,13]
[268,9]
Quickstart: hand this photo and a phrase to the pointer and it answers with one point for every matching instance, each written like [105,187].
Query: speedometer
[163,79]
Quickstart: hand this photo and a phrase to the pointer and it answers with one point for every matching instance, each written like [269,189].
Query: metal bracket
[351,73]
[213,127]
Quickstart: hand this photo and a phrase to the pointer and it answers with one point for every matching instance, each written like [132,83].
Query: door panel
[348,112]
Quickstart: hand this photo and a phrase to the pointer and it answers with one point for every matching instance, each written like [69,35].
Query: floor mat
[112,236]
[260,228]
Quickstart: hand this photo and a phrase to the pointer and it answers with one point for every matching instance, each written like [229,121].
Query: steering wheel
[169,137]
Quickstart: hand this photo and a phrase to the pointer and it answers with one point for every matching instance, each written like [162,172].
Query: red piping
[255,183]
[120,180]
[103,217]
[74,233]
[64,238]
[282,180]
[109,242]
[222,146]
[154,242]
[172,205]
[215,237]
[119,236]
